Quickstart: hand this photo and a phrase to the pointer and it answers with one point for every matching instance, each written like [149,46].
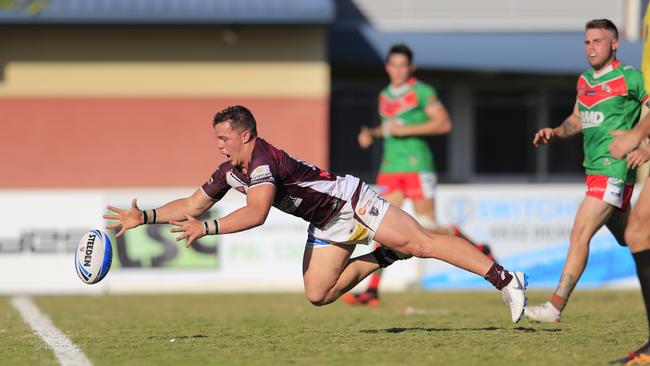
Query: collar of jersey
[607,70]
[400,90]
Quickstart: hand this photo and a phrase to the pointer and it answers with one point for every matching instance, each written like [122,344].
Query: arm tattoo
[567,284]
[568,128]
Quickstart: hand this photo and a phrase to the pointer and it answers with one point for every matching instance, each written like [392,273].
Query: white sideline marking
[65,351]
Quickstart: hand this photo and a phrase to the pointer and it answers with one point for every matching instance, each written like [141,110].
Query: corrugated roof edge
[181,12]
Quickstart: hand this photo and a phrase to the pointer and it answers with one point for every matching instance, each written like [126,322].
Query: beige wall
[74,97]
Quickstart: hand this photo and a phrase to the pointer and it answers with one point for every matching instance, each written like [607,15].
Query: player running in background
[610,96]
[410,111]
[637,234]
[342,212]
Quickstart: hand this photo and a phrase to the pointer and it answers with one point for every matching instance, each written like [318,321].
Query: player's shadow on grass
[419,329]
[180,337]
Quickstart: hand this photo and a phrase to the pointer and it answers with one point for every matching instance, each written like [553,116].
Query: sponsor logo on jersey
[591,119]
[325,174]
[260,173]
[289,204]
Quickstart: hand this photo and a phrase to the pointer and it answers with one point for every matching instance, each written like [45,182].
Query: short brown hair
[401,49]
[241,119]
[603,24]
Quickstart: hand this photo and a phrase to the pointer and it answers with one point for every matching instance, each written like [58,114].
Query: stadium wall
[136,103]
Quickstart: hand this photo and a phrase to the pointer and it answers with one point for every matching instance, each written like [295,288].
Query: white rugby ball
[93,257]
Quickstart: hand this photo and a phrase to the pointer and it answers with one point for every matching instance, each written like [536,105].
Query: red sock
[374,281]
[558,301]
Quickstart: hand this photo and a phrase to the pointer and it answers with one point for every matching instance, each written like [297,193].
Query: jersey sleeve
[263,170]
[216,187]
[426,94]
[636,89]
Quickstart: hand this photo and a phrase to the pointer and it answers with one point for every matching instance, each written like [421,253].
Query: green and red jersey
[406,104]
[611,101]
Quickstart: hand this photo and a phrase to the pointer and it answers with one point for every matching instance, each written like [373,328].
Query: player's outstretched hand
[128,219]
[192,229]
[364,138]
[624,142]
[638,157]
[543,136]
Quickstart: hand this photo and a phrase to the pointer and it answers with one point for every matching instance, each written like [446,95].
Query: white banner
[42,227]
[527,227]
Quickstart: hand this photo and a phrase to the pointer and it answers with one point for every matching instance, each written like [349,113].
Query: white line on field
[65,351]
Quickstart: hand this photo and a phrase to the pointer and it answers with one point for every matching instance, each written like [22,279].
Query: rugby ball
[93,257]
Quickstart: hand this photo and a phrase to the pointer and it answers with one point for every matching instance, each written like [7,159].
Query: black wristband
[211,227]
[155,218]
[216,223]
[146,218]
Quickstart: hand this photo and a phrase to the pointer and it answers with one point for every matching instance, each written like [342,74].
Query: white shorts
[356,223]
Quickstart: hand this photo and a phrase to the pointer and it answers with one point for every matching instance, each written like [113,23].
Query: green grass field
[284,329]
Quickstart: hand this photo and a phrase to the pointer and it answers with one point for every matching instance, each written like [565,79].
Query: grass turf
[18,343]
[412,328]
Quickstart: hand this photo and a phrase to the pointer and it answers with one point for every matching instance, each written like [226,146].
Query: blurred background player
[410,112]
[637,233]
[611,96]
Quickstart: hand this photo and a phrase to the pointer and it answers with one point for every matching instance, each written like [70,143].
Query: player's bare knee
[320,302]
[317,298]
[579,237]
[420,250]
[637,237]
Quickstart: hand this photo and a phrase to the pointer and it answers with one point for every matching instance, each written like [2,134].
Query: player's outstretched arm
[133,217]
[368,134]
[626,141]
[439,123]
[258,204]
[569,128]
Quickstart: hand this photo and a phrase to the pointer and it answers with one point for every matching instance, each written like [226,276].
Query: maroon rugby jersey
[302,189]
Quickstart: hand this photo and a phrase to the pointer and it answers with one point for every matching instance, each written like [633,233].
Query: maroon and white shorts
[356,223]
